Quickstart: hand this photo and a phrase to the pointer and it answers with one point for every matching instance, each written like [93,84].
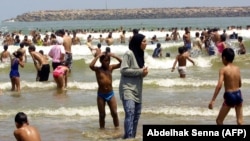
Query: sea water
[72,115]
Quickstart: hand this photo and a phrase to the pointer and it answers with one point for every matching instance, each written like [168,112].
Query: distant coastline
[142,13]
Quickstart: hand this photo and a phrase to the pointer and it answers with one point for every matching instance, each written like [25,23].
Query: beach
[72,115]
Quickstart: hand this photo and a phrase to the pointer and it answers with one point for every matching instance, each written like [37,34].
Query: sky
[12,8]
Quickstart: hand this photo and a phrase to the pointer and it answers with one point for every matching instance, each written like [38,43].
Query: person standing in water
[181,59]
[132,70]
[230,76]
[5,55]
[40,63]
[14,71]
[60,75]
[105,93]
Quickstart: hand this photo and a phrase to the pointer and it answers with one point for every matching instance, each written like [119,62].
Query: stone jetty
[141,13]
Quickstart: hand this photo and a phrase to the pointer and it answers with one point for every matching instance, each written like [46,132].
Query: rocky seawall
[143,13]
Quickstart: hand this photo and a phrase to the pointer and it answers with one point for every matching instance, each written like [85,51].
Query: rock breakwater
[142,13]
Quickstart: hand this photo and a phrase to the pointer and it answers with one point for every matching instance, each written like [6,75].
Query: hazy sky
[12,8]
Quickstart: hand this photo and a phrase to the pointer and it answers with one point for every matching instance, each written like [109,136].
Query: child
[60,75]
[24,131]
[23,50]
[182,61]
[157,51]
[230,76]
[14,73]
[242,49]
[5,55]
[105,89]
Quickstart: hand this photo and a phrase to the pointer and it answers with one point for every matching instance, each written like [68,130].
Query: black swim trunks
[43,74]
[233,99]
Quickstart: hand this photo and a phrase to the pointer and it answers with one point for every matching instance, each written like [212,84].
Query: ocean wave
[149,83]
[89,111]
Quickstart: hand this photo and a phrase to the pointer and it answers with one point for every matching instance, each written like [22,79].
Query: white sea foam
[91,111]
[160,82]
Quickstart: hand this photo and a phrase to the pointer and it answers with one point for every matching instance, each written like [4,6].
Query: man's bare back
[5,55]
[39,57]
[67,43]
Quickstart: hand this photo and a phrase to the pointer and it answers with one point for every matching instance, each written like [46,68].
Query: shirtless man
[181,59]
[230,76]
[98,50]
[101,39]
[215,36]
[46,58]
[26,41]
[197,43]
[46,61]
[23,50]
[76,40]
[122,37]
[105,92]
[24,131]
[242,47]
[41,64]
[89,39]
[167,38]
[175,35]
[5,55]
[187,39]
[109,40]
[67,43]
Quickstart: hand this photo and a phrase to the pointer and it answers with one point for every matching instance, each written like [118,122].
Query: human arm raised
[92,64]
[118,65]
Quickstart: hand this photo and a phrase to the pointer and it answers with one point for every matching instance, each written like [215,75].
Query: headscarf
[135,47]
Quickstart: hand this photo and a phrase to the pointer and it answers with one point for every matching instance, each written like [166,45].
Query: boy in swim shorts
[181,59]
[231,77]
[105,89]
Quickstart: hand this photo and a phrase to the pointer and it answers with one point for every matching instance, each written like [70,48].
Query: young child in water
[60,75]
[181,59]
[14,72]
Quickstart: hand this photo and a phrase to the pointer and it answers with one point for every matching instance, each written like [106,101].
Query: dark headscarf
[135,46]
